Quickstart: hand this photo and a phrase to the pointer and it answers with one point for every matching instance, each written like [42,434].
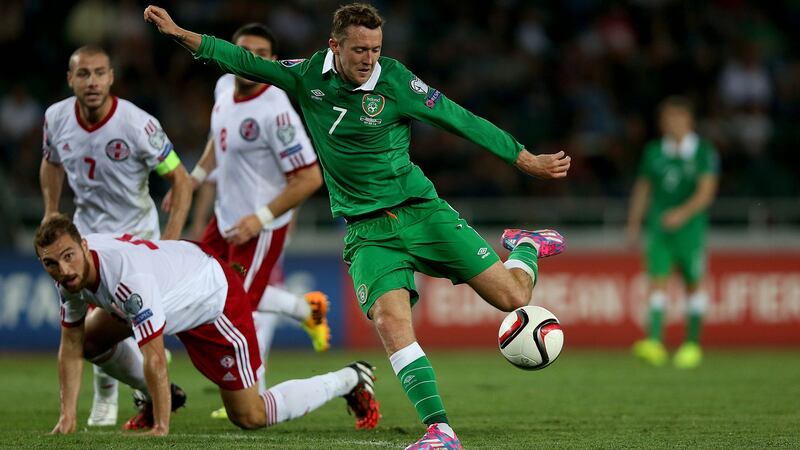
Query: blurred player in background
[153,288]
[107,147]
[359,107]
[264,166]
[676,183]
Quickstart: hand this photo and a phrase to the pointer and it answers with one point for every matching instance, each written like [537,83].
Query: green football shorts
[384,250]
[684,249]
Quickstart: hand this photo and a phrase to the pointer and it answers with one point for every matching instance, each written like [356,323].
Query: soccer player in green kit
[359,107]
[678,178]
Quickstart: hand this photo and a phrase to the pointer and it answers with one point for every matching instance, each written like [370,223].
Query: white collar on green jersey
[328,65]
[685,148]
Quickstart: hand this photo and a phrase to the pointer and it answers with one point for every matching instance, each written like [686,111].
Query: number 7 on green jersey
[342,112]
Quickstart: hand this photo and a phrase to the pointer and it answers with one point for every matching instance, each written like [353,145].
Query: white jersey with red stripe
[155,286]
[258,141]
[107,165]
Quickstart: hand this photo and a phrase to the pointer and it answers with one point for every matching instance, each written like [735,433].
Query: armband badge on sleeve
[290,62]
[418,86]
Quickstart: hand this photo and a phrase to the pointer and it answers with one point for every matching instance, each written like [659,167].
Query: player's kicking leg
[291,399]
[509,285]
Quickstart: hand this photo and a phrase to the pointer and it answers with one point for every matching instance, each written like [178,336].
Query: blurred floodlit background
[583,76]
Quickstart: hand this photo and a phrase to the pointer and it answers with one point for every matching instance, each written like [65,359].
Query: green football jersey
[674,174]
[362,133]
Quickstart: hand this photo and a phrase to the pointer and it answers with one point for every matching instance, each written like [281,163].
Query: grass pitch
[587,399]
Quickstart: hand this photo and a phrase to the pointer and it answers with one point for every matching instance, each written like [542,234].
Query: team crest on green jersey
[373,104]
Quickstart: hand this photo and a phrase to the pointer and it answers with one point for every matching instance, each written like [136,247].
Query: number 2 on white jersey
[342,112]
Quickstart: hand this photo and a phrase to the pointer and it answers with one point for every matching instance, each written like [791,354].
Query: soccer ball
[530,337]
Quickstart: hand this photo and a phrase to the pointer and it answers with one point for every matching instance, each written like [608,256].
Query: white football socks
[124,362]
[283,302]
[106,387]
[405,356]
[658,299]
[697,303]
[295,398]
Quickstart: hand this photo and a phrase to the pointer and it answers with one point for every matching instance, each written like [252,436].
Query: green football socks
[697,304]
[526,253]
[694,322]
[656,316]
[418,380]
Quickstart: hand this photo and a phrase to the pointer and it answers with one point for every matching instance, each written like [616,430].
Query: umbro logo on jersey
[317,94]
[66,148]
[483,252]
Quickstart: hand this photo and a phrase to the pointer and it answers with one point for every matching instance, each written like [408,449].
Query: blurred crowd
[583,76]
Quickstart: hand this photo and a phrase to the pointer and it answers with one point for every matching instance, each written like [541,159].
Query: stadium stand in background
[582,76]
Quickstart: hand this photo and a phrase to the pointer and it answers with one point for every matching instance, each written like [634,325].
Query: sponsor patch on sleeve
[142,316]
[432,98]
[291,151]
[165,151]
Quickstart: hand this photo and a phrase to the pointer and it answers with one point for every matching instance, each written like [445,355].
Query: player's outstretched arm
[230,58]
[70,368]
[166,26]
[553,165]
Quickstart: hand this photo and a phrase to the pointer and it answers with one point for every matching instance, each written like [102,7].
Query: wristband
[264,215]
[199,174]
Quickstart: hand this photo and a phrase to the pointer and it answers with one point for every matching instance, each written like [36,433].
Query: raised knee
[515,299]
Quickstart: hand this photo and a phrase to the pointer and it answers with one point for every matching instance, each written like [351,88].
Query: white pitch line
[239,437]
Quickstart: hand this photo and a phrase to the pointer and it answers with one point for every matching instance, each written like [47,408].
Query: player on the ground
[359,107]
[153,288]
[678,178]
[264,167]
[107,147]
